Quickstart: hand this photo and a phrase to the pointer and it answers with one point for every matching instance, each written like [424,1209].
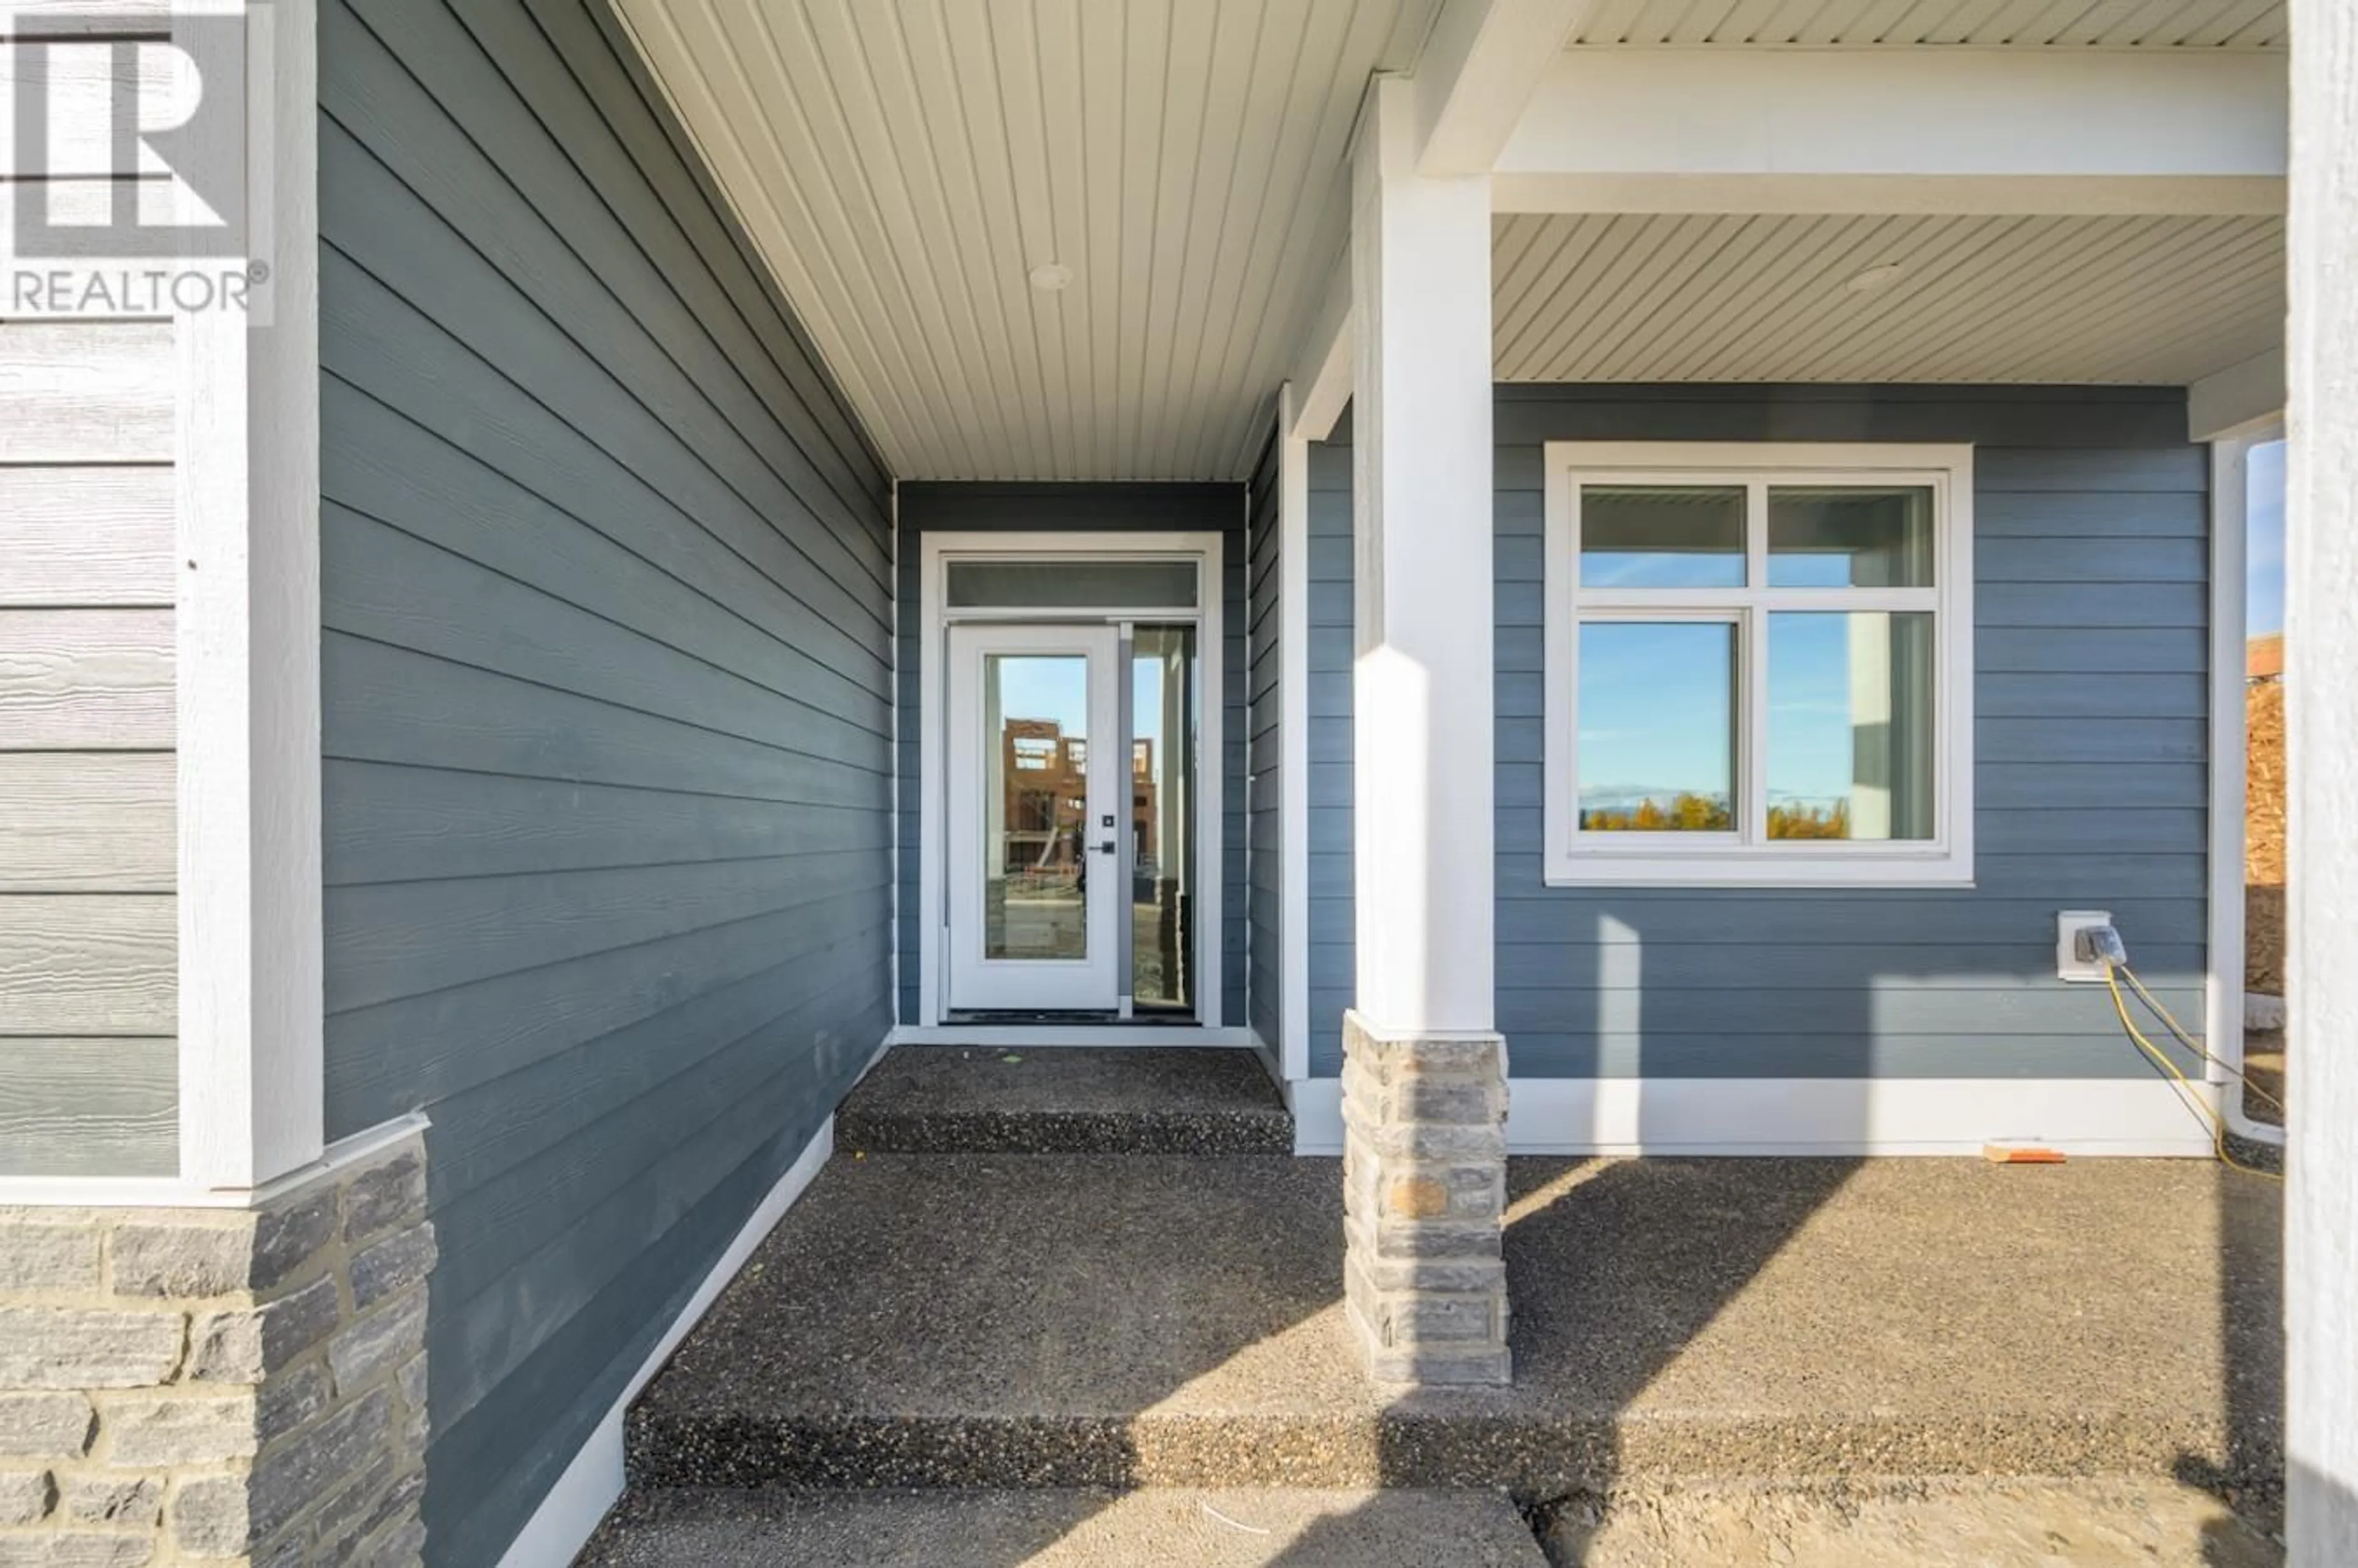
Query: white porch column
[1421,518]
[2322,673]
[1425,1075]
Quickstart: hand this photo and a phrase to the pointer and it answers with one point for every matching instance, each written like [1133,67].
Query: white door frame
[938,549]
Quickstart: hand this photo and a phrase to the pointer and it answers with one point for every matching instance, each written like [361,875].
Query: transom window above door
[1759,665]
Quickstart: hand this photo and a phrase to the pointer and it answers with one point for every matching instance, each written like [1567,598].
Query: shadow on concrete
[1614,1266]
[1106,1322]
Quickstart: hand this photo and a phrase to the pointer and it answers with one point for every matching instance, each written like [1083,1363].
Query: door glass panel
[1035,805]
[1072,585]
[1162,818]
[1657,727]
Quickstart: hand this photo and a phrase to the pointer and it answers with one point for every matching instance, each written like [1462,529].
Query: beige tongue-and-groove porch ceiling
[1872,24]
[907,165]
[1978,299]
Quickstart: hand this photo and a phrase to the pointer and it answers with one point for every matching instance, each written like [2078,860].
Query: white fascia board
[1321,368]
[1968,131]
[1480,67]
[2246,395]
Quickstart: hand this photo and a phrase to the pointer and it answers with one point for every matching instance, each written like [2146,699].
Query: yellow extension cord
[2193,1097]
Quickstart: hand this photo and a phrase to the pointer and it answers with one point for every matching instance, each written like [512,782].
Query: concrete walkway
[1175,1529]
[2085,1523]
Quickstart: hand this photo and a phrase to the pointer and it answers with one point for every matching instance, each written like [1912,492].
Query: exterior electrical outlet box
[2069,965]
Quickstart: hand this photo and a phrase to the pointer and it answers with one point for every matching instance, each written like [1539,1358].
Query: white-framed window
[1759,665]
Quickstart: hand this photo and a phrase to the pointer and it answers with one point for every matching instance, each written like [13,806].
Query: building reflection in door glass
[1162,825]
[1035,803]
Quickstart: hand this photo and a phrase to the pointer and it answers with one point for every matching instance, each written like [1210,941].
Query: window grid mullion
[1731,599]
[1752,807]
[1755,819]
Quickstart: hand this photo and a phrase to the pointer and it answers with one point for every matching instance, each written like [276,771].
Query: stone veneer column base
[1424,1196]
[219,1386]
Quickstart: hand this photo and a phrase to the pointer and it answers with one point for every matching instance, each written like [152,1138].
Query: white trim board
[593,1482]
[892,535]
[2139,1116]
[1313,398]
[2231,458]
[246,668]
[1293,736]
[2229,751]
[2076,132]
[931,783]
[1481,67]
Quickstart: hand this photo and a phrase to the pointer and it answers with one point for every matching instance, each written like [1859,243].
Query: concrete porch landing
[1100,1321]
[1065,1099]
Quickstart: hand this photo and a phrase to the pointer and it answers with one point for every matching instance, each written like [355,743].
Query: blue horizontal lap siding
[607,667]
[1328,583]
[1265,758]
[985,506]
[2092,658]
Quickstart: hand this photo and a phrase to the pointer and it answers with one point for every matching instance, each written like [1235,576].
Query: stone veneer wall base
[184,1385]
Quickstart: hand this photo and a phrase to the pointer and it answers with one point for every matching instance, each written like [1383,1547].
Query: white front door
[1035,818]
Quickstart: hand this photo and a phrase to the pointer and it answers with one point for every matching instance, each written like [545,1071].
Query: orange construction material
[2021,1154]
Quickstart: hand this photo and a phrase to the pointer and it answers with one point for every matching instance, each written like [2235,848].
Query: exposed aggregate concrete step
[1144,1099]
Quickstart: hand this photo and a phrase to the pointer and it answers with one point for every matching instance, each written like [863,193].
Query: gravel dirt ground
[2264,1065]
[2264,838]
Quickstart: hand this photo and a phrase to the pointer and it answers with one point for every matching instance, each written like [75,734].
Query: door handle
[1107,847]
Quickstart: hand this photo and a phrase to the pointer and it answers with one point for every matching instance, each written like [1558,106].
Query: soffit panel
[904,166]
[1851,24]
[2145,301]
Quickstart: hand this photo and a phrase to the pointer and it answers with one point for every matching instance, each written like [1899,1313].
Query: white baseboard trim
[1045,1034]
[593,1483]
[1317,1108]
[1814,1115]
[575,1507]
